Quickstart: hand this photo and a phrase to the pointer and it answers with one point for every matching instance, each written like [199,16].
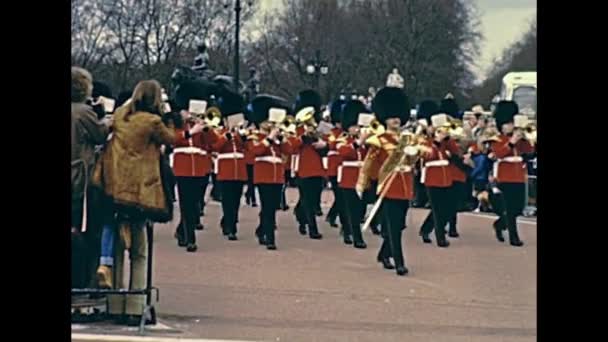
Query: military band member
[395,178]
[191,166]
[333,161]
[250,196]
[309,168]
[231,169]
[269,177]
[437,178]
[352,151]
[512,152]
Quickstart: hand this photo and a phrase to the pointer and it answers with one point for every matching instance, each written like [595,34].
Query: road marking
[118,338]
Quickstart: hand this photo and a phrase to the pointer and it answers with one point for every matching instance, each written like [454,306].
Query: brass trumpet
[376,128]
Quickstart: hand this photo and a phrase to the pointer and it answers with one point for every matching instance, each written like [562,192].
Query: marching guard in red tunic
[352,151]
[191,166]
[511,152]
[231,165]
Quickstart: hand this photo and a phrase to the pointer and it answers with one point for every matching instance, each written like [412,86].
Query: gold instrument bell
[289,124]
[212,117]
[306,116]
[376,128]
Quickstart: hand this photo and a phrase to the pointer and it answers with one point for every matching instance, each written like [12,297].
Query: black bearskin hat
[231,103]
[391,102]
[450,107]
[309,98]
[101,89]
[426,109]
[350,113]
[124,96]
[194,90]
[261,104]
[335,111]
[504,112]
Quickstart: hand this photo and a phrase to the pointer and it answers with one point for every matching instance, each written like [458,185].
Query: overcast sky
[502,22]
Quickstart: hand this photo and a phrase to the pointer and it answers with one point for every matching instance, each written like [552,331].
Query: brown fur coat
[129,171]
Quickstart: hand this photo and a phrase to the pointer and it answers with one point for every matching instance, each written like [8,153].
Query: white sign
[439,120]
[235,120]
[277,115]
[197,106]
[108,104]
[365,119]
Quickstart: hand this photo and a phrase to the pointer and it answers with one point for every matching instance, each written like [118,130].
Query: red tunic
[510,166]
[309,162]
[352,160]
[435,170]
[333,157]
[269,167]
[230,160]
[191,157]
[402,186]
[457,174]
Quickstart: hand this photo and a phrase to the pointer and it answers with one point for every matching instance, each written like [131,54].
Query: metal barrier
[148,311]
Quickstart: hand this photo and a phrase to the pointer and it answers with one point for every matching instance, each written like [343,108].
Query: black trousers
[441,212]
[270,198]
[420,193]
[336,207]
[203,193]
[513,199]
[394,213]
[310,190]
[351,215]
[188,189]
[216,190]
[284,189]
[458,198]
[250,194]
[231,200]
[370,197]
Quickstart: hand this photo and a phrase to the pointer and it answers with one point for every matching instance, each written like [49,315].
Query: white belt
[512,159]
[190,150]
[352,163]
[232,155]
[325,163]
[403,168]
[436,163]
[433,163]
[333,153]
[269,159]
[349,163]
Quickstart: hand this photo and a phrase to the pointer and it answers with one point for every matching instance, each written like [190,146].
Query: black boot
[360,244]
[316,236]
[302,229]
[348,240]
[332,221]
[402,270]
[191,247]
[386,263]
[442,242]
[453,233]
[514,238]
[498,230]
[232,237]
[375,230]
[425,237]
[200,226]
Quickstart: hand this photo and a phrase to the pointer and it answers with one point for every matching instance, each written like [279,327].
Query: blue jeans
[108,235]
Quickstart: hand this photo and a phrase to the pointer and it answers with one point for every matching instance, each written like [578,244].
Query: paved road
[476,290]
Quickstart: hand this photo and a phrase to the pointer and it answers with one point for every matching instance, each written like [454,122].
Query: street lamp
[316,68]
[237,12]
